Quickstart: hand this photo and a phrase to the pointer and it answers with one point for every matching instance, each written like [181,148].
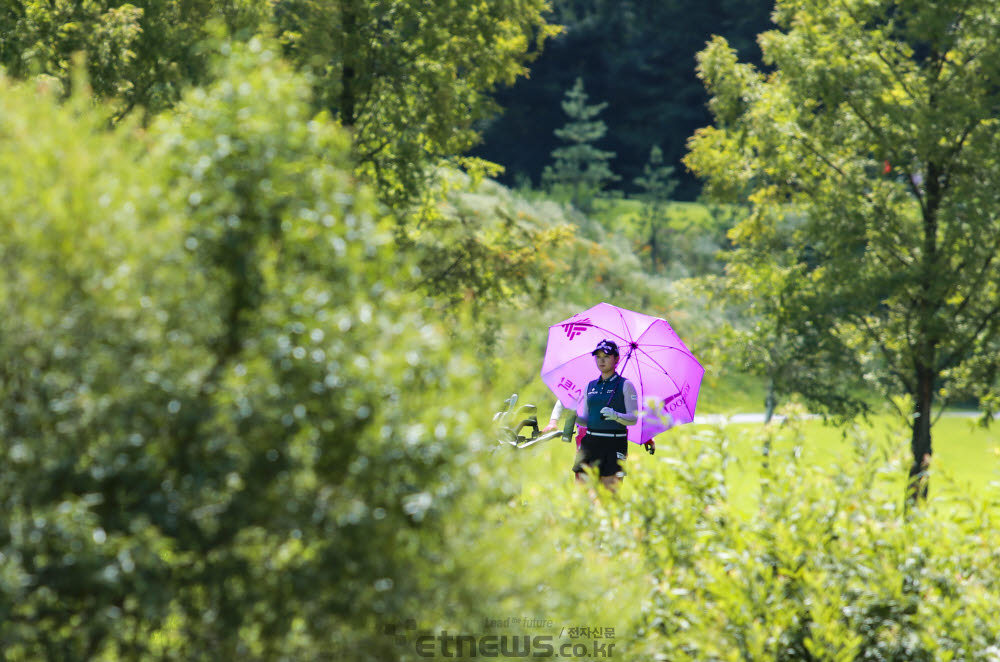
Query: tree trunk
[920,443]
[652,247]
[770,402]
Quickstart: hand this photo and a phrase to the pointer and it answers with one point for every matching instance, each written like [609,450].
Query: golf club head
[526,410]
[531,422]
[507,436]
[510,403]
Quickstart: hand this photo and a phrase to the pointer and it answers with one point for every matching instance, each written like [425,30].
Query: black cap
[607,346]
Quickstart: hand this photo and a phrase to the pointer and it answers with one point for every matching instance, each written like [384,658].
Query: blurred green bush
[229,427]
[824,564]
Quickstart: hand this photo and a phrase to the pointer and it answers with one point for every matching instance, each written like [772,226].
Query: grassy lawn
[731,393]
[966,456]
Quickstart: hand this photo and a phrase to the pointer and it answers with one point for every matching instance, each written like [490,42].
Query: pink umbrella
[657,362]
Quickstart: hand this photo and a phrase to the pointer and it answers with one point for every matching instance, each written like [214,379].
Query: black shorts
[607,453]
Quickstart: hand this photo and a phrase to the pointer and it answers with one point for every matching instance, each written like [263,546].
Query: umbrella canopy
[657,362]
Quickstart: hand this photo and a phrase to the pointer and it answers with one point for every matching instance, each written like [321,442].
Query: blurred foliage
[230,428]
[820,565]
[410,80]
[243,416]
[690,236]
[488,247]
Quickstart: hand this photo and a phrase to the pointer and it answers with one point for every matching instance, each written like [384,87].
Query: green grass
[966,456]
[731,393]
[684,214]
[967,452]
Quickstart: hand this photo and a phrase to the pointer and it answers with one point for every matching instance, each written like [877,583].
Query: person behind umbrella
[611,403]
[557,412]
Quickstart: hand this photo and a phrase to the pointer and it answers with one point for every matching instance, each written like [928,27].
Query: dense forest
[271,267]
[638,57]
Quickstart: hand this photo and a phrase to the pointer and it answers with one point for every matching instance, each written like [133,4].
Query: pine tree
[581,170]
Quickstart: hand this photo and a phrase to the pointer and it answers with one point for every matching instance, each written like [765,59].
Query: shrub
[229,430]
[823,563]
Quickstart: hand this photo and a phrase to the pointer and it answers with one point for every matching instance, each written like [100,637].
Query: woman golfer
[611,404]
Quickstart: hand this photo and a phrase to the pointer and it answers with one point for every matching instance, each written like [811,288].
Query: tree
[410,79]
[42,38]
[893,270]
[581,169]
[764,339]
[139,54]
[656,186]
[230,430]
[412,82]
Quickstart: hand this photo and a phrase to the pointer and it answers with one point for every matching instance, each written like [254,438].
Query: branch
[833,166]
[956,151]
[876,339]
[986,321]
[976,285]
[861,116]
[890,248]
[370,155]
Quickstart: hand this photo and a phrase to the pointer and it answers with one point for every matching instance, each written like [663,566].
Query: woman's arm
[557,412]
[631,416]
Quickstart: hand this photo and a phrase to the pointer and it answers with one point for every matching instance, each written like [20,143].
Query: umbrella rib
[625,326]
[683,350]
[657,363]
[666,374]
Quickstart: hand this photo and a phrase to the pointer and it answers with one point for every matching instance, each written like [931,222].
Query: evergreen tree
[581,170]
[657,185]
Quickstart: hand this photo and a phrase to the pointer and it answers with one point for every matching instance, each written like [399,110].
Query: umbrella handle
[621,374]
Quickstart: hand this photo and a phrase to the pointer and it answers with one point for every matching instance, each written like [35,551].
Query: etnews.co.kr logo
[573,329]
[444,644]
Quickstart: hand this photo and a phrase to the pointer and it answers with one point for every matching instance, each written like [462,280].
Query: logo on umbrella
[570,387]
[573,329]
